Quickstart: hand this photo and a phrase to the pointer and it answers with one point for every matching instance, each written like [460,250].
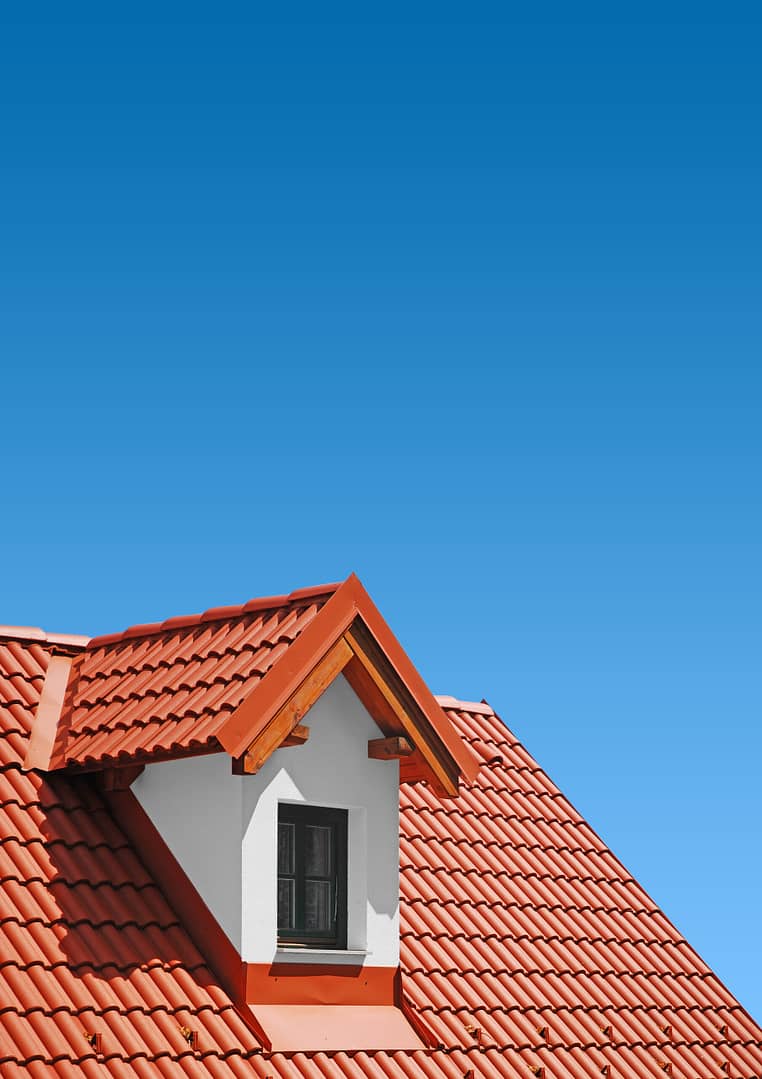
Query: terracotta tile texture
[527,948]
[167,687]
[88,944]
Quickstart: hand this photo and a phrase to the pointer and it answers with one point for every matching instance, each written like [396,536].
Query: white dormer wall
[222,829]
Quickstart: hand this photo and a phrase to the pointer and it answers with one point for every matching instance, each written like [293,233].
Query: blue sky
[470,308]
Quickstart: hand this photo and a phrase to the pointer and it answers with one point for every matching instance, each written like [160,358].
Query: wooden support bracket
[389,749]
[298,736]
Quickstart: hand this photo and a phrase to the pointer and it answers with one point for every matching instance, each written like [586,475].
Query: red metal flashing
[320,983]
[331,1029]
[41,746]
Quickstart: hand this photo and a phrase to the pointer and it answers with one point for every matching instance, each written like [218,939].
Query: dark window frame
[302,816]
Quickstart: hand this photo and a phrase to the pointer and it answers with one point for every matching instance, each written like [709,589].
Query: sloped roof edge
[349,603]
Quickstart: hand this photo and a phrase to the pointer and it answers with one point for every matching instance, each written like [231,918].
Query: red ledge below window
[320,983]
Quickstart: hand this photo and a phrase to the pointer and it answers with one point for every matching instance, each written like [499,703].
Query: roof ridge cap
[478,708]
[34,633]
[213,614]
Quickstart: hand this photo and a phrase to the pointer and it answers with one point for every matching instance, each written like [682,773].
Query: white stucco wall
[223,830]
[195,805]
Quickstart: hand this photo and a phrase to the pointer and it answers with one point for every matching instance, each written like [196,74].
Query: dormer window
[312,876]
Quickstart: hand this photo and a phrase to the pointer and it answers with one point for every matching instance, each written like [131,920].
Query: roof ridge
[476,708]
[214,614]
[34,633]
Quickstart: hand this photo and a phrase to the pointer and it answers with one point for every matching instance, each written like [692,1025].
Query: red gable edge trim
[349,602]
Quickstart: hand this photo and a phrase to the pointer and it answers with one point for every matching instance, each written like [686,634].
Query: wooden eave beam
[442,774]
[389,749]
[298,736]
[283,724]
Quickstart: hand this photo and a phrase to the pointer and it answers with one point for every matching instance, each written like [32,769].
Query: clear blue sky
[470,308]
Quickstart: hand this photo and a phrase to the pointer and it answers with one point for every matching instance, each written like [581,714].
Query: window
[312,876]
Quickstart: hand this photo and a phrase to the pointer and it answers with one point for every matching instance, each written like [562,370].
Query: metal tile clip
[191,1036]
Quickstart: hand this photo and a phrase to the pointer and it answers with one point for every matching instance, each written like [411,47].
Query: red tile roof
[171,685]
[87,942]
[218,680]
[525,943]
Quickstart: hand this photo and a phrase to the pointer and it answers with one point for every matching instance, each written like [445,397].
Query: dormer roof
[239,679]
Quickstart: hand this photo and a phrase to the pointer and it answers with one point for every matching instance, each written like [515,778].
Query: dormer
[255,755]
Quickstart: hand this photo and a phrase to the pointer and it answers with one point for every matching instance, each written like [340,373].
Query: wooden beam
[413,769]
[371,696]
[298,736]
[284,722]
[389,749]
[441,777]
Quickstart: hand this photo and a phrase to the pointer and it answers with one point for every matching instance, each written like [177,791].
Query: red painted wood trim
[468,763]
[349,602]
[319,983]
[193,913]
[268,696]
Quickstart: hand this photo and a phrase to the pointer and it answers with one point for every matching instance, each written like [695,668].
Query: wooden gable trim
[467,762]
[433,762]
[281,730]
[275,690]
[348,635]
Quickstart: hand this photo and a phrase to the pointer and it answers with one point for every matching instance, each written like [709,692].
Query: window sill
[286,953]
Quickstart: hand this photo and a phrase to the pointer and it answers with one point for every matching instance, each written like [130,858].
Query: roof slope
[525,944]
[172,685]
[87,942]
[520,924]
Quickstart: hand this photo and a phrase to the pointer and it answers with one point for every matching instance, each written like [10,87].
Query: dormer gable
[349,636]
[255,757]
[240,680]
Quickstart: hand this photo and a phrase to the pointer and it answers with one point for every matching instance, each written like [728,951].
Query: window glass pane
[286,905]
[286,848]
[318,913]
[317,850]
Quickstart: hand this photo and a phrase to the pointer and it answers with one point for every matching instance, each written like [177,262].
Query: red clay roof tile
[515,918]
[169,686]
